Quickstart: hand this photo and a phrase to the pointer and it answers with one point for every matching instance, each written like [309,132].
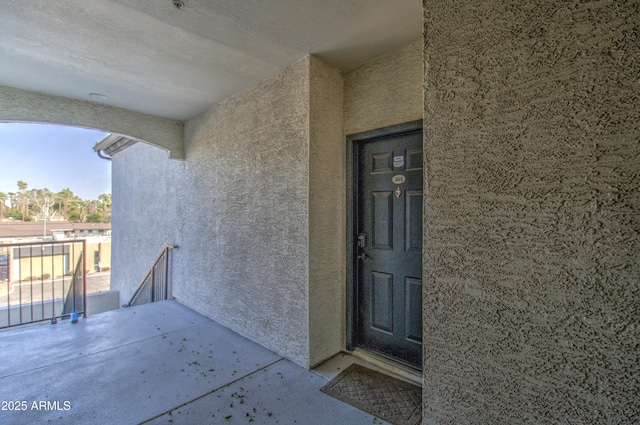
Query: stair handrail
[163,252]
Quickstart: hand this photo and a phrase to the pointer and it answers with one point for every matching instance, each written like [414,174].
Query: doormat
[397,402]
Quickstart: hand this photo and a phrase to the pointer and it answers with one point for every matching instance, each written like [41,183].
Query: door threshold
[389,366]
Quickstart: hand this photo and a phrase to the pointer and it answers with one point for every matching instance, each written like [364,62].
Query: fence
[41,281]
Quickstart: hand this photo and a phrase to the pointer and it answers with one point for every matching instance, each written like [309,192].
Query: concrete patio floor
[159,363]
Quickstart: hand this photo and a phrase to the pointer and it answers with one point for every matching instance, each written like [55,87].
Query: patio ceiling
[152,57]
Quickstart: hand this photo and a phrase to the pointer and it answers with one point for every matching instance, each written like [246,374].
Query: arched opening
[55,157]
[21,106]
[55,191]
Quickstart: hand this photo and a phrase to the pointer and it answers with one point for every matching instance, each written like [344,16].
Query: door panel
[413,221]
[389,264]
[382,219]
[382,301]
[413,308]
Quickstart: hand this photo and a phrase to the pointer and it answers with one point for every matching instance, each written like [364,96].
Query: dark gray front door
[388,246]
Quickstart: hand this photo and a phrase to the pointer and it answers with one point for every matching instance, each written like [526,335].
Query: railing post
[84,277]
[166,273]
[153,283]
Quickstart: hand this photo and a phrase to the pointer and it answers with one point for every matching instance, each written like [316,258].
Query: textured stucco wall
[532,212]
[25,106]
[258,205]
[146,193]
[257,209]
[244,256]
[327,212]
[385,91]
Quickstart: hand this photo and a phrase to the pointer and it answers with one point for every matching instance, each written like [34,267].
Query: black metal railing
[155,285]
[76,293]
[41,281]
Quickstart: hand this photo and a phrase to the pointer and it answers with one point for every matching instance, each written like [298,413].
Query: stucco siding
[531,212]
[146,189]
[385,91]
[327,213]
[244,259]
[257,209]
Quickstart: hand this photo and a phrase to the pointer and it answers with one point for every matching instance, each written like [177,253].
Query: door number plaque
[399,179]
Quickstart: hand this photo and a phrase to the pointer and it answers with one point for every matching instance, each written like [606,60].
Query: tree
[104,206]
[45,204]
[94,218]
[23,199]
[77,210]
[64,196]
[3,199]
[42,200]
[12,200]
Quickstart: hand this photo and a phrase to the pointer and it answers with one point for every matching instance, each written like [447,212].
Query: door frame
[353,143]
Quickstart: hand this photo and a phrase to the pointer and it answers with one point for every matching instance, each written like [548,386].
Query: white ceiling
[148,56]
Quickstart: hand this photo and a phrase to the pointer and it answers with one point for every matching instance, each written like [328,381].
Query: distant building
[21,231]
[19,262]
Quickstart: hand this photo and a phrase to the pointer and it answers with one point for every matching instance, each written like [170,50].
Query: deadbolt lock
[362,240]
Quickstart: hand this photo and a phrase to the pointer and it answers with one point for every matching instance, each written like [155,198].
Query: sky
[53,157]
